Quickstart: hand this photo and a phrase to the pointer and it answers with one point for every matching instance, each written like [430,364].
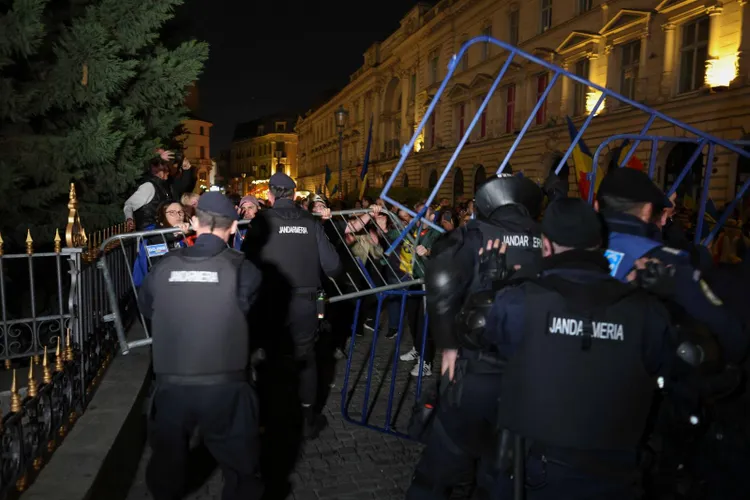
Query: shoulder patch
[710,295]
[615,259]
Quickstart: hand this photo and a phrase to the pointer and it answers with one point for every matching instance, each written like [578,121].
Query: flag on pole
[331,185]
[583,161]
[365,164]
[621,153]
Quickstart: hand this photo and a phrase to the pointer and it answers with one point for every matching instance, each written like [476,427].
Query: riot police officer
[290,247]
[585,351]
[197,299]
[629,202]
[463,427]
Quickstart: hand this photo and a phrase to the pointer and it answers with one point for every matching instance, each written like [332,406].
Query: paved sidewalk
[347,461]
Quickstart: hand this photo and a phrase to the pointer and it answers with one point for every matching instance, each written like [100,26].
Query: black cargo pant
[228,420]
[303,326]
[462,443]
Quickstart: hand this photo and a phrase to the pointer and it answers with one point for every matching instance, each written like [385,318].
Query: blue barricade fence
[361,411]
[701,139]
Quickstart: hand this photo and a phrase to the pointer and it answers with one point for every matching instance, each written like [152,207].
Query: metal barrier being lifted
[515,55]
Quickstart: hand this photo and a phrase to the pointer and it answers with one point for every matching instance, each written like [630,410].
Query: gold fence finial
[73,229]
[32,382]
[47,373]
[68,348]
[15,399]
[58,241]
[29,242]
[59,366]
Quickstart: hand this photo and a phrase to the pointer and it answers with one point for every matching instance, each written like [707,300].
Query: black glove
[493,267]
[657,278]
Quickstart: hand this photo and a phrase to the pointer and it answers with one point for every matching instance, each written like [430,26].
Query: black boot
[313,423]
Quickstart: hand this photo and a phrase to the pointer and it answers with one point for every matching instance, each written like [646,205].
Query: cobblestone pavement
[348,461]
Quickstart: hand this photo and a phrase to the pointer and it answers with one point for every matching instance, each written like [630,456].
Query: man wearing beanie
[584,352]
[629,202]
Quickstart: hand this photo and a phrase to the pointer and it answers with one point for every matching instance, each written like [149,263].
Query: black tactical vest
[292,246]
[198,326]
[146,215]
[578,380]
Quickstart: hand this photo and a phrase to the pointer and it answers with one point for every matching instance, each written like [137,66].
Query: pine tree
[87,92]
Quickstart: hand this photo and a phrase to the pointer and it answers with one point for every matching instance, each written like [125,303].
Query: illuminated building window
[583,6]
[579,94]
[546,16]
[693,55]
[630,54]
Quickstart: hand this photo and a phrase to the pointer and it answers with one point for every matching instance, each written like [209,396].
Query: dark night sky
[279,56]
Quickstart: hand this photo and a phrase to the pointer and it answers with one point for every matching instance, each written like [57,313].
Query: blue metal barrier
[691,135]
[701,139]
[391,423]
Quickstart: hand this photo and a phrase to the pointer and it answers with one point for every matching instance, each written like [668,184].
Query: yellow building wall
[399,77]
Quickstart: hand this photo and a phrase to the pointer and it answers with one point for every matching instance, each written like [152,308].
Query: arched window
[479,177]
[386,176]
[405,180]
[432,182]
[690,186]
[458,185]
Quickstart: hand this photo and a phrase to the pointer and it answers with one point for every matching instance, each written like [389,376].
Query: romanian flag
[621,153]
[331,185]
[365,164]
[582,159]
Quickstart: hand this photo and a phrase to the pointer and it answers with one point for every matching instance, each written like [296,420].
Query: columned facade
[686,58]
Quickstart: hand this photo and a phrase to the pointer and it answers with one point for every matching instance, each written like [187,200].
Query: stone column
[613,74]
[666,86]
[405,131]
[714,36]
[565,95]
[641,82]
[376,147]
[743,62]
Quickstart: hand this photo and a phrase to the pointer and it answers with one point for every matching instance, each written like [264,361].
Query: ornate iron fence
[53,302]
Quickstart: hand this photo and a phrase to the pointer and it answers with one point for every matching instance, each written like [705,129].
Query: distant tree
[87,92]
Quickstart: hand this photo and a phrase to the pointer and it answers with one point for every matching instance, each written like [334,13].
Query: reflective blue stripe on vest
[624,249]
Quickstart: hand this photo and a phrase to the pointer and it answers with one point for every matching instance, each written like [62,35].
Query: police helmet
[317,198]
[506,189]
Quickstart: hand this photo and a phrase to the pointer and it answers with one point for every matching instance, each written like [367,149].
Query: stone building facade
[197,149]
[689,59]
[261,148]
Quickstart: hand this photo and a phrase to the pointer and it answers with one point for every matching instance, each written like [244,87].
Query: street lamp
[341,116]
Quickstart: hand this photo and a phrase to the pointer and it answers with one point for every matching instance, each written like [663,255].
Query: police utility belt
[482,362]
[319,296]
[203,379]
